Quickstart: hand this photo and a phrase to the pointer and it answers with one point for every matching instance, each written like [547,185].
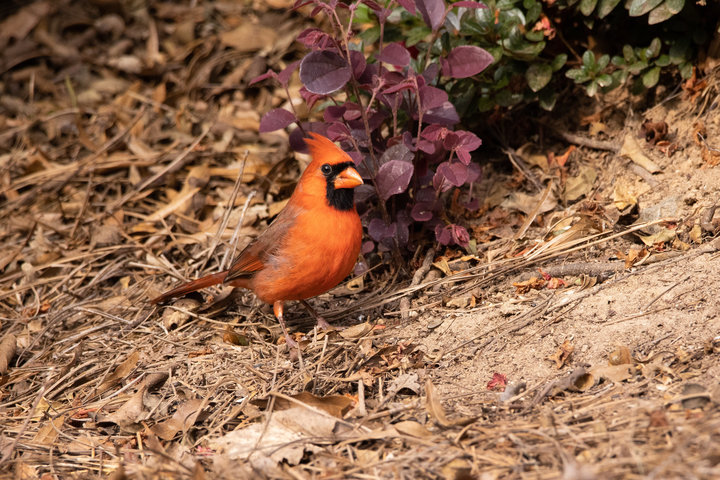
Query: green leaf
[538,75]
[587,6]
[659,15]
[579,75]
[371,35]
[603,62]
[588,58]
[547,100]
[592,88]
[679,51]
[686,70]
[604,80]
[619,76]
[628,53]
[506,98]
[605,7]
[533,13]
[558,62]
[675,5]
[485,104]
[641,7]
[534,36]
[663,60]
[654,48]
[651,77]
[637,67]
[413,36]
[618,61]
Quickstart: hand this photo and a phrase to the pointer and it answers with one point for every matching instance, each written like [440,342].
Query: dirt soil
[562,346]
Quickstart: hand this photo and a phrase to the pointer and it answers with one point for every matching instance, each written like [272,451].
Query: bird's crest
[323,150]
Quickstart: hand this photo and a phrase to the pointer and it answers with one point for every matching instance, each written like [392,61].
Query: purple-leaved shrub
[394,116]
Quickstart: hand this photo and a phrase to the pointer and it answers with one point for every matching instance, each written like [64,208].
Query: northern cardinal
[310,247]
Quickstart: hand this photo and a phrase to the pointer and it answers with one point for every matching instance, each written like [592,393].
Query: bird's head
[331,172]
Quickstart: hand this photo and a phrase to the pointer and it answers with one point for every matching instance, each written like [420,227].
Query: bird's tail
[193,286]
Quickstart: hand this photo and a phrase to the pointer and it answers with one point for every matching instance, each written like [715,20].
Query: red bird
[311,246]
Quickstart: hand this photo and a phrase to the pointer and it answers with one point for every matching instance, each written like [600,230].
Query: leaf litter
[124,138]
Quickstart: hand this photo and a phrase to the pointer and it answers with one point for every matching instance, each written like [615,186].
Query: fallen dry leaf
[562,354]
[412,428]
[285,437]
[437,412]
[184,417]
[620,356]
[335,405]
[8,347]
[631,149]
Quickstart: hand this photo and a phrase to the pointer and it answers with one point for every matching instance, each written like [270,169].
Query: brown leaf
[335,405]
[122,371]
[49,432]
[562,354]
[183,418]
[8,348]
[535,283]
[614,373]
[437,412]
[249,37]
[412,428]
[654,131]
[620,356]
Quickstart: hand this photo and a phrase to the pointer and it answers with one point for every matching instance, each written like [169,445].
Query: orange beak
[348,178]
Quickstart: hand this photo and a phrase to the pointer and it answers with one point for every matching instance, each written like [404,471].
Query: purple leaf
[408,5]
[431,97]
[276,119]
[357,60]
[314,38]
[378,230]
[373,5]
[434,132]
[442,234]
[337,131]
[474,172]
[333,113]
[431,72]
[264,76]
[468,4]
[394,54]
[422,212]
[393,177]
[444,115]
[468,140]
[324,72]
[450,234]
[367,247]
[465,61]
[432,11]
[460,235]
[407,84]
[399,151]
[309,97]
[450,175]
[284,76]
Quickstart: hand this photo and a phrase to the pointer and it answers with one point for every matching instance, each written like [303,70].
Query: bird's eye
[326,169]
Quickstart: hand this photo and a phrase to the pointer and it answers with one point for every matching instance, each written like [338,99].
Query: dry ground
[121,139]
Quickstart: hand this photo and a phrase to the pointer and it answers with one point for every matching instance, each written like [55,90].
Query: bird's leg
[278,310]
[321,322]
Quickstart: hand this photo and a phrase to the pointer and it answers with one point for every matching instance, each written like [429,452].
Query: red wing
[253,258]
